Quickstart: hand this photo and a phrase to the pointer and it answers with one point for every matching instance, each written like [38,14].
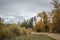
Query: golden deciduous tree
[43,16]
[50,26]
[39,26]
[56,15]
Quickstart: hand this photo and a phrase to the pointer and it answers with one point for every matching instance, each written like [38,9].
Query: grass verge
[34,37]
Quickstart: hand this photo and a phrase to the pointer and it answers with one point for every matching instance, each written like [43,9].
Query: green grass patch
[34,37]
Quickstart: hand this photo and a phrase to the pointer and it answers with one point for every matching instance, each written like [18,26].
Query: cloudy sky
[12,9]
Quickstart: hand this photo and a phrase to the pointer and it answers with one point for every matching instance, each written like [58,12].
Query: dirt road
[53,35]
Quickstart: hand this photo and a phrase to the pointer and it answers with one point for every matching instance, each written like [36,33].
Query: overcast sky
[23,8]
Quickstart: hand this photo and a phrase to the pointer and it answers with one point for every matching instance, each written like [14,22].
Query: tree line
[49,22]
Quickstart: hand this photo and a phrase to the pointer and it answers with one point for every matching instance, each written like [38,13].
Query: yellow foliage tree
[43,16]
[39,26]
[56,15]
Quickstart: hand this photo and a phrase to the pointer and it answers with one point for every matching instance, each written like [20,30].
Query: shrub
[15,29]
[11,31]
[5,34]
[29,31]
[24,31]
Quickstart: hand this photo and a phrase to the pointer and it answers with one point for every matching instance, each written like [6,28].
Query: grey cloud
[25,8]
